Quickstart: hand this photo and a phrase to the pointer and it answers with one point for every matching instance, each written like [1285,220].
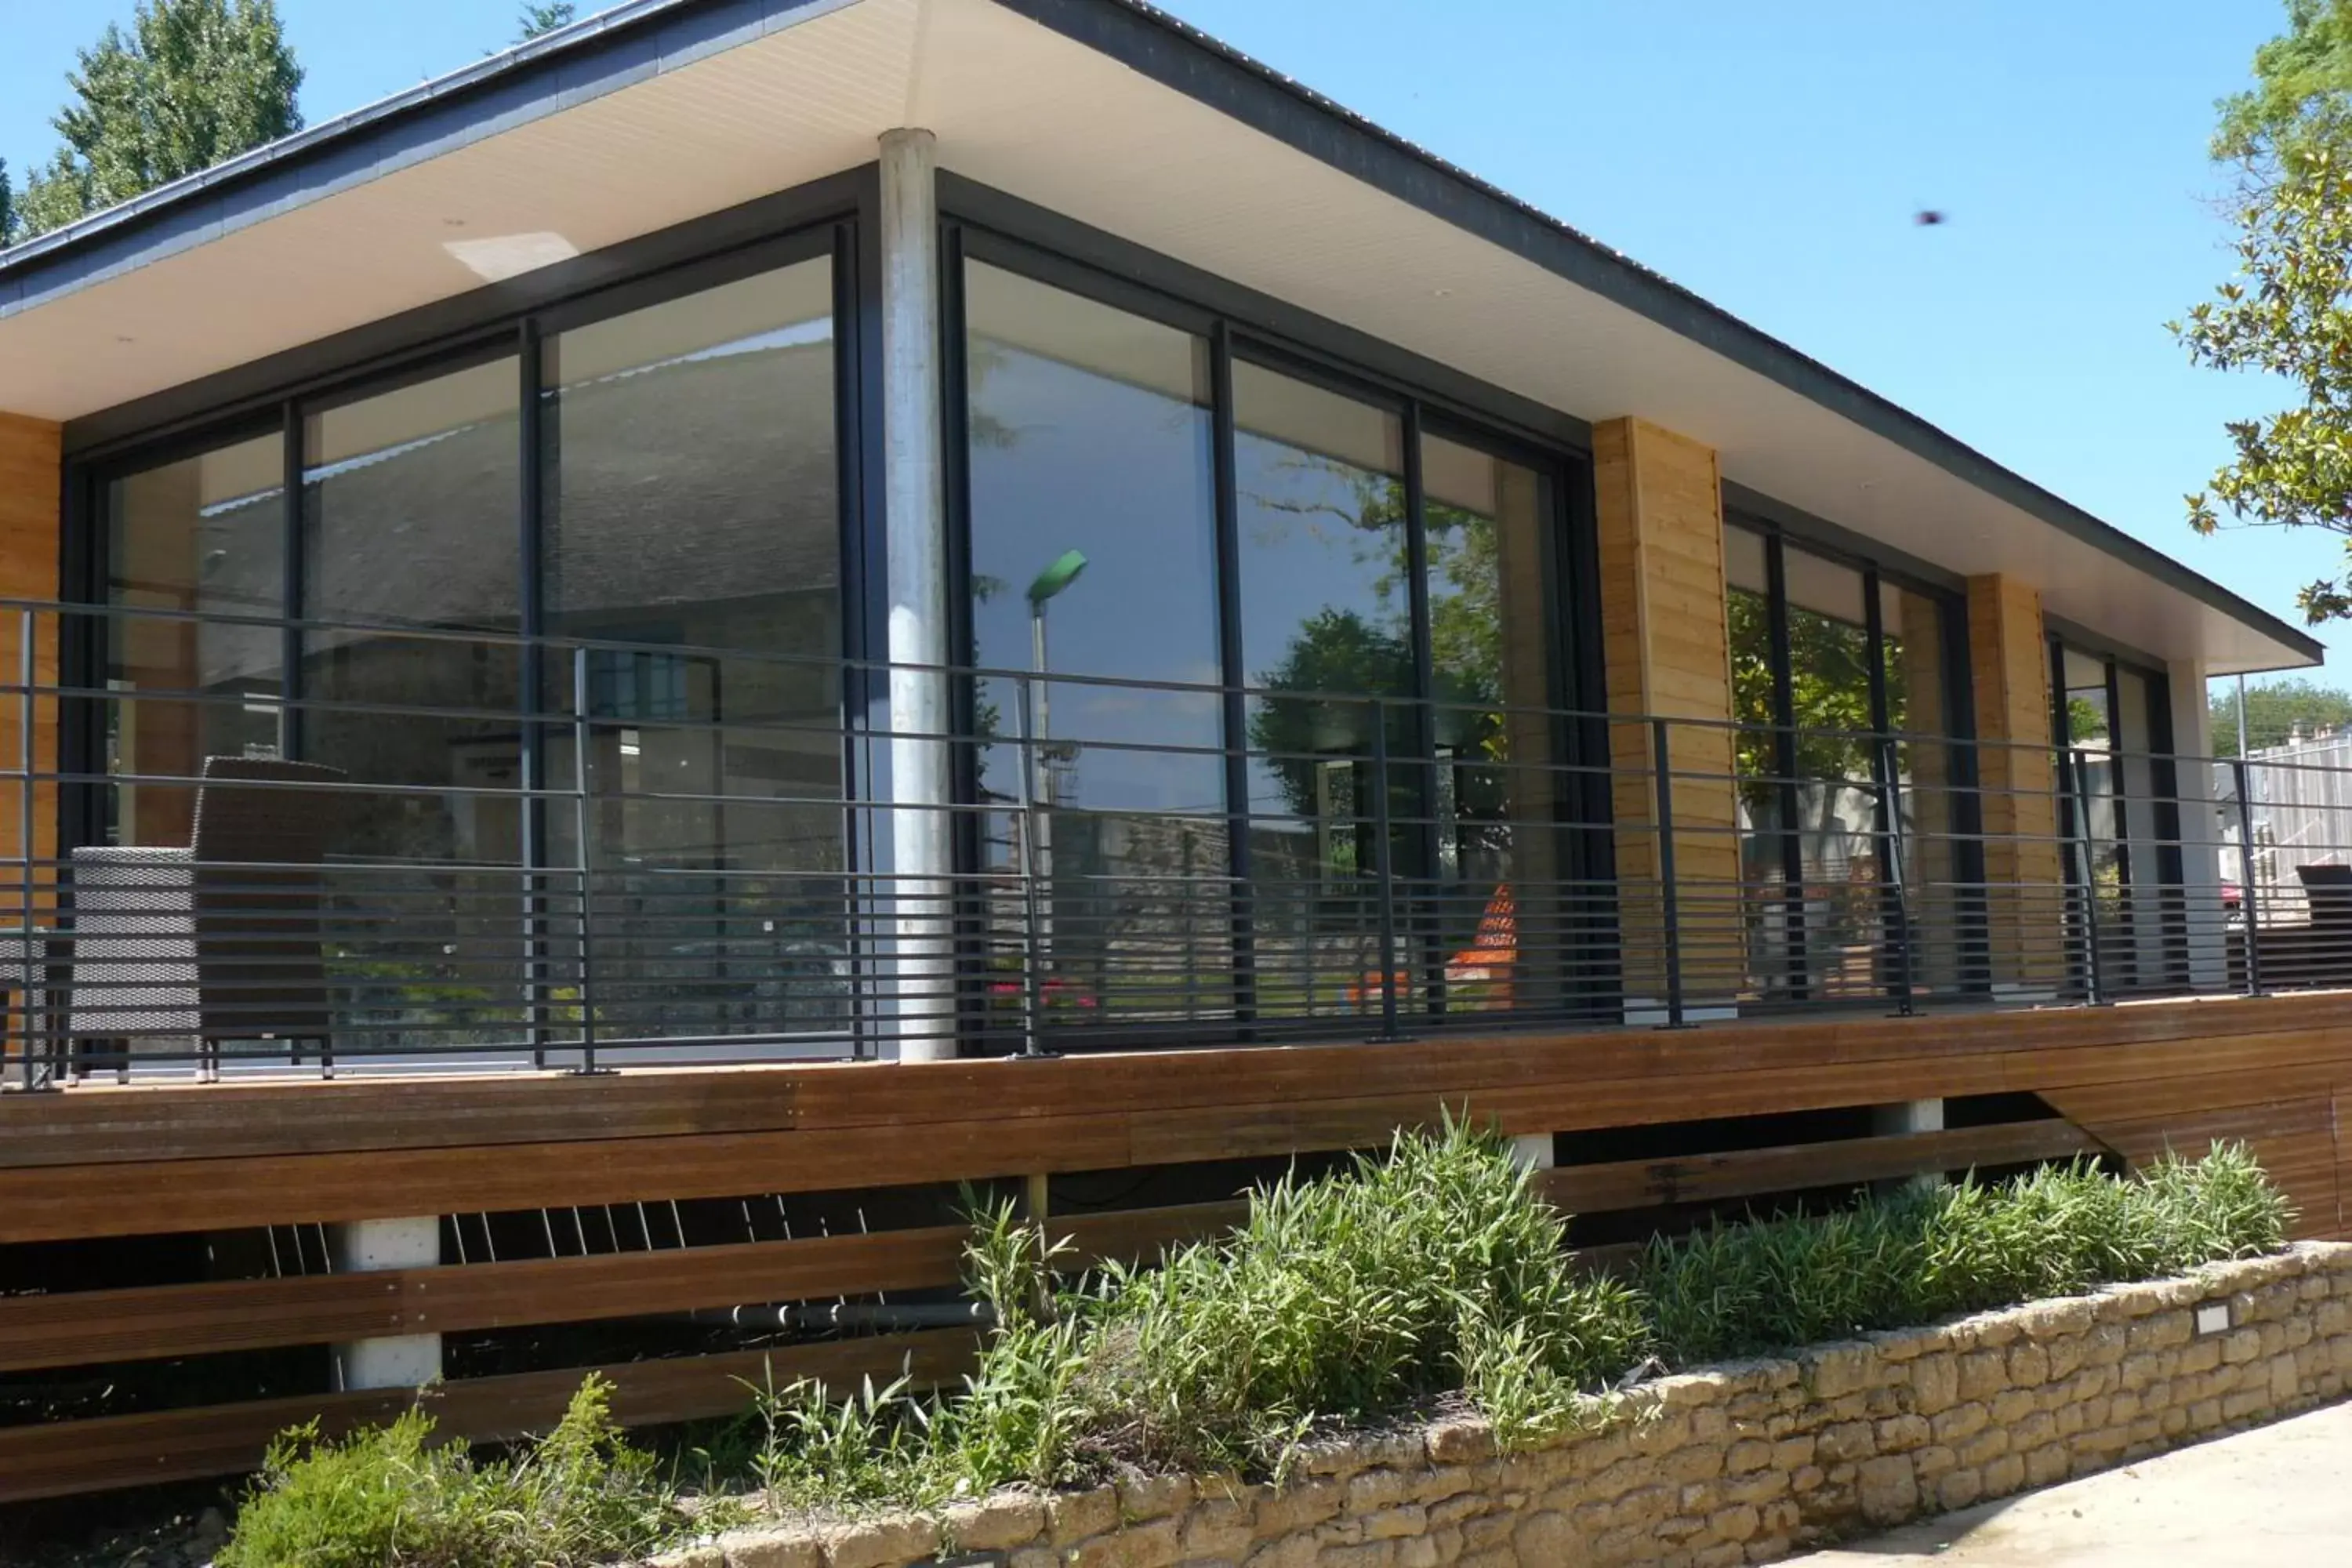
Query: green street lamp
[1036,841]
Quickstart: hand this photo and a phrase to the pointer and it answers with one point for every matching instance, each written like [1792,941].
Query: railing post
[1669,897]
[2248,897]
[1032,953]
[1893,862]
[2086,848]
[1384,870]
[29,956]
[581,817]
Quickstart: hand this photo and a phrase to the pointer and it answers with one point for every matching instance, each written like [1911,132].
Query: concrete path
[2277,1498]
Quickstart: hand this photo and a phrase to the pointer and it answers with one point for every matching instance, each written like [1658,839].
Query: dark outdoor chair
[218,941]
[2329,890]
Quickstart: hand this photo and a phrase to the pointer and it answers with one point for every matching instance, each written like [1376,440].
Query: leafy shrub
[1739,1289]
[389,1496]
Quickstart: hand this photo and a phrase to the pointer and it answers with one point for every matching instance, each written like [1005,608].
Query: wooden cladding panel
[1666,654]
[2009,657]
[2287,1117]
[66,1458]
[31,483]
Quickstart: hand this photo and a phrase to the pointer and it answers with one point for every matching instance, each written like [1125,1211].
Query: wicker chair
[217,941]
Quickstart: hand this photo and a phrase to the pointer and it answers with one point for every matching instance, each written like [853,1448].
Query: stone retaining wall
[1742,1463]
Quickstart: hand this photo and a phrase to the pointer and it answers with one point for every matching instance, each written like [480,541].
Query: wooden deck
[108,1161]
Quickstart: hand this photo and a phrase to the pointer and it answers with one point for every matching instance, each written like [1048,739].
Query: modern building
[918,531]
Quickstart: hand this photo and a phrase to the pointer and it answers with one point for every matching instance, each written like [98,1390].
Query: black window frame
[986,228]
[1973,970]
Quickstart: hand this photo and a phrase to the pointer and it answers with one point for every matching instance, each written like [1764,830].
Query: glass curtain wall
[681,508]
[2119,819]
[691,519]
[1212,692]
[1093,566]
[1841,690]
[207,534]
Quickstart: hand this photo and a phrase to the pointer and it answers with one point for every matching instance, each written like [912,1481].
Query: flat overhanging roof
[1102,110]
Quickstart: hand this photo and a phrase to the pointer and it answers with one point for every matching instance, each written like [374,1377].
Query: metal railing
[576,853]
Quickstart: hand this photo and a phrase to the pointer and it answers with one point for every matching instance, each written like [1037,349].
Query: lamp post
[1036,846]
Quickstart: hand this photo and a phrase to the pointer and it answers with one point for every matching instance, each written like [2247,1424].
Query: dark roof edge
[581,60]
[1179,55]
[608,50]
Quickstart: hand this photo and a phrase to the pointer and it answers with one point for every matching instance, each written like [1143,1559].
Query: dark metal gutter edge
[1155,44]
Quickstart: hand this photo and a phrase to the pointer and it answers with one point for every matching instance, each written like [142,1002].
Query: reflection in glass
[1918,682]
[1326,609]
[1500,910]
[1091,432]
[409,506]
[409,501]
[690,489]
[203,535]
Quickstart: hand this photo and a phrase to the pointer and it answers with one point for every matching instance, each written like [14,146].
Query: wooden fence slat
[59,1458]
[1745,1172]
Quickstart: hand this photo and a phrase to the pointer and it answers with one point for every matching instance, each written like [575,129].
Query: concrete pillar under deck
[916,899]
[1534,1152]
[371,1246]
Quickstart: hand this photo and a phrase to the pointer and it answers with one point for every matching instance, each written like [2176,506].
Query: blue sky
[1768,156]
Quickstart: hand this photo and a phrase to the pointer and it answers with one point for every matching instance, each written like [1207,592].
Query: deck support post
[371,1246]
[921,1002]
[1534,1152]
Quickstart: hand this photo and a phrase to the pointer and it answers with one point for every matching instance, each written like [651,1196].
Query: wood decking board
[94,1327]
[61,1458]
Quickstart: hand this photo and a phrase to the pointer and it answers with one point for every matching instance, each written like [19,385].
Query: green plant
[1737,1288]
[389,1496]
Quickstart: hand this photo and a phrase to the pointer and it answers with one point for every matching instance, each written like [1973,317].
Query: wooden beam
[96,1125]
[61,1458]
[1746,1173]
[155,1322]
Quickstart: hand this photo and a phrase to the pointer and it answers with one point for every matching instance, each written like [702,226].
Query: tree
[195,83]
[2289,312]
[538,19]
[2273,712]
[8,206]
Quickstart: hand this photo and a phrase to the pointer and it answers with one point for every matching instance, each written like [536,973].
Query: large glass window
[409,500]
[689,482]
[1093,542]
[205,534]
[686,519]
[2117,815]
[1326,598]
[1841,690]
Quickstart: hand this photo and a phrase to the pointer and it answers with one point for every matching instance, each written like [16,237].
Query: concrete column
[2202,818]
[1535,1151]
[369,1246]
[922,994]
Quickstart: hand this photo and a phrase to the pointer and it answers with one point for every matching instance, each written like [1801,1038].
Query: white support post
[915,499]
[1534,1152]
[2202,817]
[373,1245]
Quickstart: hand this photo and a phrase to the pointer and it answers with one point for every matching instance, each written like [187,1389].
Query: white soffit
[1053,121]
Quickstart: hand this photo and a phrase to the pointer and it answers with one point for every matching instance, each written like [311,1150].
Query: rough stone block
[1887,1491]
[995,1522]
[1983,1373]
[1847,1440]
[1935,1384]
[883,1542]
[1153,1545]
[1832,1370]
[1901,1434]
